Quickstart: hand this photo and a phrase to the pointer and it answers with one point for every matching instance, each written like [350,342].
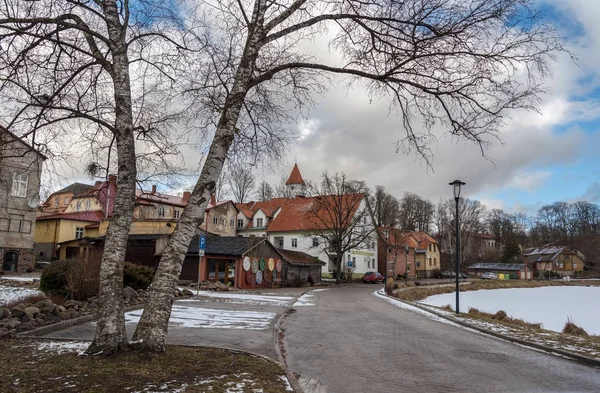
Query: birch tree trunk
[151,331]
[110,336]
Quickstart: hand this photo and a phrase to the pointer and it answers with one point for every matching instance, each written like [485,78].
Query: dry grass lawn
[28,367]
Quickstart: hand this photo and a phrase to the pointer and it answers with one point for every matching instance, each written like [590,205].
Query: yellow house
[559,259]
[60,200]
[427,254]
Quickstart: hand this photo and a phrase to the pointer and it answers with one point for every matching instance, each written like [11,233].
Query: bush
[574,330]
[54,278]
[436,273]
[137,276]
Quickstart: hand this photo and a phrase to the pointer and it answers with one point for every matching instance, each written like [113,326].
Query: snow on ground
[198,317]
[246,298]
[60,347]
[288,387]
[13,294]
[550,306]
[307,299]
[19,278]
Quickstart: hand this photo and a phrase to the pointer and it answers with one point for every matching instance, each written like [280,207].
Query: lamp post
[457,184]
[406,265]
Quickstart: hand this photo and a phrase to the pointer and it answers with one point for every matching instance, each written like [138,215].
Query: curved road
[352,341]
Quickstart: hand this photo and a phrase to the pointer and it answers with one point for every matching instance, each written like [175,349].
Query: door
[9,263]
[528,274]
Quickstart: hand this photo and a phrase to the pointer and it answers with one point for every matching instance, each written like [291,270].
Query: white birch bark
[110,336]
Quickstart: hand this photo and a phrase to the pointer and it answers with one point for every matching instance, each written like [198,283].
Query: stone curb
[76,321]
[570,355]
[290,375]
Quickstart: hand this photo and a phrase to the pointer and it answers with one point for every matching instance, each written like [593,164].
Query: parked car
[464,275]
[374,277]
[448,274]
[489,276]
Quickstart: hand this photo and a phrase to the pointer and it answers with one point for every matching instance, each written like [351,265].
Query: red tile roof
[302,214]
[91,216]
[105,194]
[295,177]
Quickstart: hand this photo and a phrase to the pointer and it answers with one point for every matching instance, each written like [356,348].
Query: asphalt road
[352,341]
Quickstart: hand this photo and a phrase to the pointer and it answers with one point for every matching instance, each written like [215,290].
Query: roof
[300,213]
[212,205]
[394,237]
[130,237]
[157,197]
[75,188]
[19,139]
[300,258]
[91,216]
[225,245]
[105,194]
[485,236]
[295,177]
[549,253]
[499,266]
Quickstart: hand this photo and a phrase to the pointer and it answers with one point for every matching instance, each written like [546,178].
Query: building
[427,254]
[559,259]
[20,171]
[220,217]
[58,201]
[415,254]
[489,247]
[518,271]
[292,224]
[248,263]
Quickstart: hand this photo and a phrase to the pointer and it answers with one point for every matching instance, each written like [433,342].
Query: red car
[373,277]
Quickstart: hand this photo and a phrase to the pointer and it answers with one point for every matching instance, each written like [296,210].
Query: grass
[420,293]
[26,368]
[502,318]
[574,330]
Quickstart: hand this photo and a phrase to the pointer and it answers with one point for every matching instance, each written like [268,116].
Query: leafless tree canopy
[264,192]
[384,207]
[416,213]
[241,182]
[342,216]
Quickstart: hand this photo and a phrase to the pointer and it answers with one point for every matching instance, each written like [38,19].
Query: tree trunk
[110,336]
[338,267]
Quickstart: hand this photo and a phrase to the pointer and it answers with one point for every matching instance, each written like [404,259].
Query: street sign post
[201,250]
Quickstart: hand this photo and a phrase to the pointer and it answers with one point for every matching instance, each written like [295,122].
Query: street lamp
[457,184]
[406,264]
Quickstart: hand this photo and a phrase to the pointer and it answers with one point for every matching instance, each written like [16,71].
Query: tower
[295,183]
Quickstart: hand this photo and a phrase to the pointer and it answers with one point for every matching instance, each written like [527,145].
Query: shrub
[137,276]
[574,330]
[436,273]
[54,278]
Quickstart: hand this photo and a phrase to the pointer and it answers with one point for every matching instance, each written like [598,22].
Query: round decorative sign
[246,264]
[261,264]
[278,265]
[259,277]
[254,266]
[248,277]
[271,264]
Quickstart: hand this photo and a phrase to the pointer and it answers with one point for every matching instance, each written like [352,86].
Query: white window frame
[78,232]
[176,214]
[240,223]
[315,242]
[56,201]
[161,211]
[67,200]
[231,222]
[19,185]
[88,205]
[259,222]
[294,243]
[215,220]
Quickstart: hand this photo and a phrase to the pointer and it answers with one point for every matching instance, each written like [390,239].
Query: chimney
[153,189]
[112,179]
[213,199]
[186,196]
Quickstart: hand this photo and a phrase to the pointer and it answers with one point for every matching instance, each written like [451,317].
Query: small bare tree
[264,192]
[459,64]
[241,181]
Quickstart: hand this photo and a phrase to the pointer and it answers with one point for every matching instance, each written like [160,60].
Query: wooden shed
[520,270]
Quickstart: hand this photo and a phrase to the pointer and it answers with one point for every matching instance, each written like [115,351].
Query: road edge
[569,355]
[277,343]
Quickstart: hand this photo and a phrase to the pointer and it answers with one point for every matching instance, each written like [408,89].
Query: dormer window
[240,223]
[259,222]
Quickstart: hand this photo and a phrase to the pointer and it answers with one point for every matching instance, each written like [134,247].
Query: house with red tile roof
[415,254]
[294,224]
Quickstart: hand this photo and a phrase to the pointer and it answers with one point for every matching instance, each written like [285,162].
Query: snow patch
[307,300]
[61,347]
[245,298]
[198,317]
[19,278]
[14,294]
[288,386]
[550,306]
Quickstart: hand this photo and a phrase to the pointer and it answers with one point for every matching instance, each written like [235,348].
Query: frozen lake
[550,306]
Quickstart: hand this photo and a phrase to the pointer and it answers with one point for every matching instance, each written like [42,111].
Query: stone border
[290,375]
[569,355]
[76,321]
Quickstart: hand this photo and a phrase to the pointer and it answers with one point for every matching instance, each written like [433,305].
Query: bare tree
[416,213]
[384,207]
[66,65]
[458,64]
[264,192]
[342,217]
[241,182]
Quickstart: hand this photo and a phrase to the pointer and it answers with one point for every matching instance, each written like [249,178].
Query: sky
[544,157]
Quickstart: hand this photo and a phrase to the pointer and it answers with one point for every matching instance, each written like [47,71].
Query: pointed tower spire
[295,183]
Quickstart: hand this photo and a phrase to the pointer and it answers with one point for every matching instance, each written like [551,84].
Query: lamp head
[457,184]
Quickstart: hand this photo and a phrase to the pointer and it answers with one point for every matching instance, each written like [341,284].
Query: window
[78,206]
[56,201]
[294,243]
[430,249]
[215,220]
[231,222]
[434,261]
[223,221]
[67,200]
[176,214]
[418,264]
[430,260]
[161,211]
[259,222]
[279,241]
[315,242]
[78,233]
[574,266]
[240,222]
[19,185]
[88,205]
[354,261]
